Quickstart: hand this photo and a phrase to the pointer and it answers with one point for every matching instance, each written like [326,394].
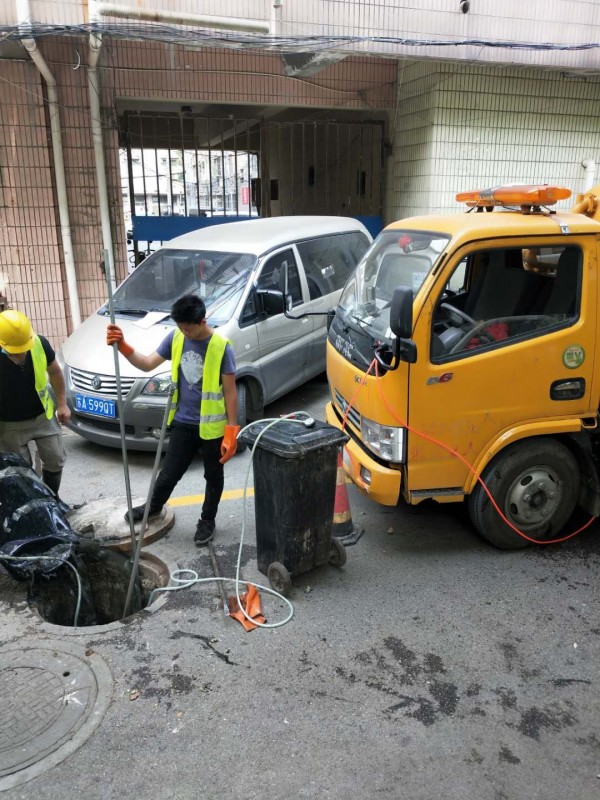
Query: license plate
[98,406]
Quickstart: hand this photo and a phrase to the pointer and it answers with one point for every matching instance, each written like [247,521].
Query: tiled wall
[460,128]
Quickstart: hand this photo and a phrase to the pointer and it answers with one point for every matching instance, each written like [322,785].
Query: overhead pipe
[24,22]
[177,18]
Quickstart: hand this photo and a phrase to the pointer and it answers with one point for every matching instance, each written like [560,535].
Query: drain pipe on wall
[275,27]
[95,46]
[24,22]
[590,174]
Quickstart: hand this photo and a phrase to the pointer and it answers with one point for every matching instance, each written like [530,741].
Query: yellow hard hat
[16,333]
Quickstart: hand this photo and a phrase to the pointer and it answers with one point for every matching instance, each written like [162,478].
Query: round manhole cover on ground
[52,697]
[103,520]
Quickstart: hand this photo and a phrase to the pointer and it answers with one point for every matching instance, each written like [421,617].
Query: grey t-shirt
[191,370]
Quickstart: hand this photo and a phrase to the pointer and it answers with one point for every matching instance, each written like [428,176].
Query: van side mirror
[272,301]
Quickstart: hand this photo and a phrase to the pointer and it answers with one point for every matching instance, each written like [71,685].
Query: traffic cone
[343,528]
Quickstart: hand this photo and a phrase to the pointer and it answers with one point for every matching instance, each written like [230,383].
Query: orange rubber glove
[229,443]
[114,335]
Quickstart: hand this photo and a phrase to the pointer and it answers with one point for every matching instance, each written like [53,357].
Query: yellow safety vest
[213,416]
[40,370]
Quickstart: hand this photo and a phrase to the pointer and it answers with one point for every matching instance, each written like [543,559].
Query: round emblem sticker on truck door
[574,356]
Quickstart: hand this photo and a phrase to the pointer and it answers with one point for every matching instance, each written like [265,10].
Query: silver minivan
[239,269]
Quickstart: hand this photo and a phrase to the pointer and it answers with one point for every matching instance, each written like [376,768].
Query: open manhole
[92,590]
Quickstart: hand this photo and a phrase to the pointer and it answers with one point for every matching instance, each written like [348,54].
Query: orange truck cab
[463,353]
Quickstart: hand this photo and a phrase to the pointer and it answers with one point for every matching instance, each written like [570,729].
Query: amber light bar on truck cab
[516,195]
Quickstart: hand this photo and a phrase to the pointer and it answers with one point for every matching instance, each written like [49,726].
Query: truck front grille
[353,415]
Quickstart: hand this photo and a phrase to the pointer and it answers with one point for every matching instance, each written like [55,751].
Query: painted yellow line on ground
[232,494]
[193,499]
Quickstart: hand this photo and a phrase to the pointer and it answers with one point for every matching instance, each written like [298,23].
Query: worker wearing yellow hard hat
[28,412]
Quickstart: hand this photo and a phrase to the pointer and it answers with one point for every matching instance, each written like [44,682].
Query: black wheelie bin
[295,468]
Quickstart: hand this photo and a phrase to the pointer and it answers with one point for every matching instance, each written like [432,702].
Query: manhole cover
[103,519]
[48,691]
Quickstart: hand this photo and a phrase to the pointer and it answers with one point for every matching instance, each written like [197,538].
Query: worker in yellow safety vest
[27,409]
[204,413]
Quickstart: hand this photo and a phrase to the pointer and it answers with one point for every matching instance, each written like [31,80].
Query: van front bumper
[143,416]
[380,483]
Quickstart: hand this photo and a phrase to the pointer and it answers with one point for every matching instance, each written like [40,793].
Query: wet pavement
[430,666]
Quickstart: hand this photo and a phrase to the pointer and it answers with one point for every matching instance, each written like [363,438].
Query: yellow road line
[231,494]
[193,499]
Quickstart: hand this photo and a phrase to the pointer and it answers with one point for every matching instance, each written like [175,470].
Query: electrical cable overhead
[258,41]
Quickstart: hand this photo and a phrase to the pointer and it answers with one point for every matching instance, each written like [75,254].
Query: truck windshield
[219,278]
[396,258]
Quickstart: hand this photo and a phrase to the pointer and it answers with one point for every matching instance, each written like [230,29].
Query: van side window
[506,295]
[272,275]
[329,260]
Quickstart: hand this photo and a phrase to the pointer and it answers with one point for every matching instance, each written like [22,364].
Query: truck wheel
[241,413]
[535,484]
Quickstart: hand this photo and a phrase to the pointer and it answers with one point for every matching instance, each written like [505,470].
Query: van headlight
[384,440]
[159,384]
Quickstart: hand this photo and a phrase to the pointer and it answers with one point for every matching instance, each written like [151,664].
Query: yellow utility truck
[464,355]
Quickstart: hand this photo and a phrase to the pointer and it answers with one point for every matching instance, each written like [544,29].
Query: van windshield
[219,278]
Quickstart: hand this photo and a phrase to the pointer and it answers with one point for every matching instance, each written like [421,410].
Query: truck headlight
[159,384]
[384,440]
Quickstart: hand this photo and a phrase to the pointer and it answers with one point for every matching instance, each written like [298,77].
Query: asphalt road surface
[430,666]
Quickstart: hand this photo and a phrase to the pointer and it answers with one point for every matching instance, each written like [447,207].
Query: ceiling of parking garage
[238,112]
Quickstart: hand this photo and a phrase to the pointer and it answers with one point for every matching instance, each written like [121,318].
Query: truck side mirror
[401,324]
[401,313]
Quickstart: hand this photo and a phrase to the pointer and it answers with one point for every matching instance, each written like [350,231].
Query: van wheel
[242,390]
[534,483]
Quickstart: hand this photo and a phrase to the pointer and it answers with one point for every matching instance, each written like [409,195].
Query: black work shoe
[205,530]
[137,512]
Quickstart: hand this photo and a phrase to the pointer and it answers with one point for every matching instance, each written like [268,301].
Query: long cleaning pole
[138,547]
[111,310]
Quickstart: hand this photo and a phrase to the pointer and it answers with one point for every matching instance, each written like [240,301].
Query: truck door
[506,338]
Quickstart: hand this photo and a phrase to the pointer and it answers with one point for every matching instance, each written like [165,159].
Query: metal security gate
[185,171]
[326,168]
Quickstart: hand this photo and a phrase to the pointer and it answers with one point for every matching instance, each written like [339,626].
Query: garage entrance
[182,171]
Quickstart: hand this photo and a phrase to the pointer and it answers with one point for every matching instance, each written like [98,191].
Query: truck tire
[241,412]
[535,484]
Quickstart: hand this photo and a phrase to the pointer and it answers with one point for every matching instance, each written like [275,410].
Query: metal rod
[185,199]
[156,167]
[215,566]
[111,309]
[140,541]
[131,188]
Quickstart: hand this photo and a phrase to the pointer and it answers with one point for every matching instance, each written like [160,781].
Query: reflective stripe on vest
[213,415]
[40,368]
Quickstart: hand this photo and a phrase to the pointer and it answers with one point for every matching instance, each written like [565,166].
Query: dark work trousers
[184,443]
